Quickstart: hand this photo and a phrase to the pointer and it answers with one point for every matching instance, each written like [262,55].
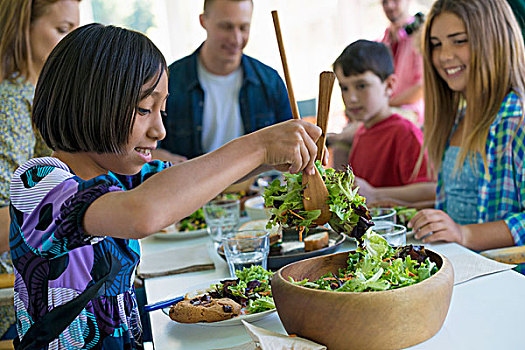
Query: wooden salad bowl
[391,319]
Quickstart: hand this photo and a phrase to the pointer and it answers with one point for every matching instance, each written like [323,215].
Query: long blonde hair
[497,66]
[16,17]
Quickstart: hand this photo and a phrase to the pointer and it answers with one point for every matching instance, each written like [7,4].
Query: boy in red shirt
[386,146]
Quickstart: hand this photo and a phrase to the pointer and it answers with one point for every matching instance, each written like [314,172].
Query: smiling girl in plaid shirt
[474,61]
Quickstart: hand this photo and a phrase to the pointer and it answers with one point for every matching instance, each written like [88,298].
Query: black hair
[90,85]
[364,55]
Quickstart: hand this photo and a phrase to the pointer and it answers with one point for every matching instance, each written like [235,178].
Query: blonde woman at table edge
[76,216]
[474,80]
[28,32]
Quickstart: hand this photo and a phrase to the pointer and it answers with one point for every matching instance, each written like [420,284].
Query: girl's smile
[148,127]
[455,71]
[450,50]
[144,153]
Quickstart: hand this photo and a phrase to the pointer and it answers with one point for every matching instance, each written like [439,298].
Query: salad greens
[193,222]
[377,267]
[404,214]
[251,289]
[349,212]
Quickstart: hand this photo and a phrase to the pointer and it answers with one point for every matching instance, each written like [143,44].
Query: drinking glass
[222,217]
[246,248]
[380,215]
[395,235]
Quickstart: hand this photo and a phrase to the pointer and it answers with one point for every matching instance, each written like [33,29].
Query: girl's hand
[432,225]
[290,146]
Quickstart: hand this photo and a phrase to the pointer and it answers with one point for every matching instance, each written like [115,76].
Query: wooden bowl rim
[446,264]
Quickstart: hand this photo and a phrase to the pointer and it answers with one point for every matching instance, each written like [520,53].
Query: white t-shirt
[221,118]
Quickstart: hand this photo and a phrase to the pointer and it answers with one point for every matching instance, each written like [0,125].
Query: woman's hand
[432,225]
[290,146]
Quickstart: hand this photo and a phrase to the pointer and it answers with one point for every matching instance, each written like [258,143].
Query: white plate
[236,321]
[255,209]
[172,233]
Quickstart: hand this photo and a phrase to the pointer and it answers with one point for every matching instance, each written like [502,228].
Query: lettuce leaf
[377,267]
[349,212]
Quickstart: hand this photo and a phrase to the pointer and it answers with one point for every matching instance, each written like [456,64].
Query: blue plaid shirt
[502,188]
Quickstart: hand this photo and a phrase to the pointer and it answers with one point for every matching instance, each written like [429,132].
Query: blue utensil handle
[162,304]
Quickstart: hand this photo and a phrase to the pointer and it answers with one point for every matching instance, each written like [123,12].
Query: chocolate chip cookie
[204,309]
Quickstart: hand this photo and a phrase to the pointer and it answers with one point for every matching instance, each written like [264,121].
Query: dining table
[485,312]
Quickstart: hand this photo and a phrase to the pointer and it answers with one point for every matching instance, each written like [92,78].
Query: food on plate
[204,309]
[377,267]
[312,242]
[242,196]
[349,212]
[255,208]
[316,241]
[275,233]
[193,222]
[249,293]
[404,215]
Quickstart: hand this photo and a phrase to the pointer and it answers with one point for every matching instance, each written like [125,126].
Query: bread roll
[316,241]
[275,232]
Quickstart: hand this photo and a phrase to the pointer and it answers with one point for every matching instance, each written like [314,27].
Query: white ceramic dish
[255,209]
[172,233]
[236,321]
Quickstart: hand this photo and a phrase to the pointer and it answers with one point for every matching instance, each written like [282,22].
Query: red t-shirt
[385,154]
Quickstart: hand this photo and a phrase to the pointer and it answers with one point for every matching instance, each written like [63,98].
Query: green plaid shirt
[502,188]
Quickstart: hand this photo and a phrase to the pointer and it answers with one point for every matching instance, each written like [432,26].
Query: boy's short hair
[90,86]
[364,55]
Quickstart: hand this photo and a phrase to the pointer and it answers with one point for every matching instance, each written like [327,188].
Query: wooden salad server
[313,188]
[7,280]
[315,196]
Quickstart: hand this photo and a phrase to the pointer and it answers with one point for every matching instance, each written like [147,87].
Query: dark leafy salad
[251,289]
[349,212]
[377,267]
[193,222]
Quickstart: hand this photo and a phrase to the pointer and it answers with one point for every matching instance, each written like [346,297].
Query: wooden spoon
[315,195]
[326,83]
[7,280]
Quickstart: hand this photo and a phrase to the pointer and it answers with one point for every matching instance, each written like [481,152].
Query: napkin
[266,340]
[468,265]
[175,261]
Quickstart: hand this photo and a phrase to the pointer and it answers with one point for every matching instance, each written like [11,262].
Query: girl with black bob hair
[76,216]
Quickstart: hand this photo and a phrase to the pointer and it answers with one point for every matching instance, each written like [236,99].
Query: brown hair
[497,66]
[364,55]
[16,17]
[208,3]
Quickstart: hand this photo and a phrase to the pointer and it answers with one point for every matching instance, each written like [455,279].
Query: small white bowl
[255,208]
